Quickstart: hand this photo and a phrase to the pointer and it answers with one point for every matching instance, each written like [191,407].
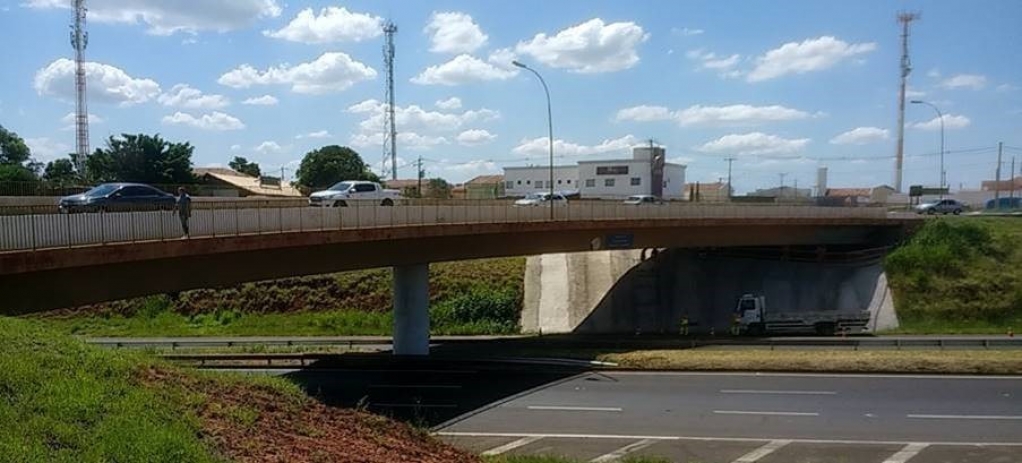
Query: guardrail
[609,342]
[30,230]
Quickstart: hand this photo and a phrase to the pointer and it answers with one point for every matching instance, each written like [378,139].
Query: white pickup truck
[354,192]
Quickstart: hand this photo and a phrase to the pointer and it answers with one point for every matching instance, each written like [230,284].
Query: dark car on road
[1005,203]
[118,197]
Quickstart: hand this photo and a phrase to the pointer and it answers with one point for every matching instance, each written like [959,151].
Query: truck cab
[749,314]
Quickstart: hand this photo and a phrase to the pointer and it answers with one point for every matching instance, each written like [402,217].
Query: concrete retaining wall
[614,292]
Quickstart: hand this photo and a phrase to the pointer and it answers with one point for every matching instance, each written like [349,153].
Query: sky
[781,87]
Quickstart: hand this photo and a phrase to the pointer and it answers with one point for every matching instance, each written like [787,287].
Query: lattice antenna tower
[905,18]
[390,124]
[80,40]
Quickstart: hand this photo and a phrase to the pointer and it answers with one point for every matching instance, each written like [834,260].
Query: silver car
[943,206]
[644,200]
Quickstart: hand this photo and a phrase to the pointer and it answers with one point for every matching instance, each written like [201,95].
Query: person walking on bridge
[184,209]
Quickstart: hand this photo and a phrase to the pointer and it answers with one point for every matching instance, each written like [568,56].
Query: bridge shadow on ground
[428,391]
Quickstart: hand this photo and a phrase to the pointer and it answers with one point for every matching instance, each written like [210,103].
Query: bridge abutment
[411,309]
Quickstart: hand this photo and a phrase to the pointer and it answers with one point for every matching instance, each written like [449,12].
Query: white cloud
[688,32]
[710,61]
[235,147]
[454,32]
[318,134]
[541,146]
[265,100]
[331,72]
[332,24]
[183,96]
[951,121]
[415,118]
[1006,88]
[107,84]
[913,93]
[808,56]
[973,81]
[934,73]
[644,113]
[502,58]
[269,147]
[406,140]
[475,137]
[861,136]
[70,119]
[463,69]
[590,47]
[165,17]
[215,121]
[732,115]
[45,150]
[449,104]
[754,143]
[740,114]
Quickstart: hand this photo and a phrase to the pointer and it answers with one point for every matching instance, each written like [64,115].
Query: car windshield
[341,186]
[101,190]
[537,196]
[634,199]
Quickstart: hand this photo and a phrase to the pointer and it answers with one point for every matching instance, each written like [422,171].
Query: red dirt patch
[253,423]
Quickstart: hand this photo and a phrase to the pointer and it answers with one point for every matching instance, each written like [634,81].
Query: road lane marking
[906,453]
[413,405]
[617,454]
[743,412]
[767,391]
[805,375]
[574,409]
[512,445]
[966,417]
[766,449]
[760,440]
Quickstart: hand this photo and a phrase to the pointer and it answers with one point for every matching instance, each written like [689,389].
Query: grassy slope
[959,275]
[63,401]
[350,303]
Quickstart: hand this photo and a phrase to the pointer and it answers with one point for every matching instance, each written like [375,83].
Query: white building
[606,179]
[520,181]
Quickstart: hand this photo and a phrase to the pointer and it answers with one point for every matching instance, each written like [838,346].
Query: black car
[118,197]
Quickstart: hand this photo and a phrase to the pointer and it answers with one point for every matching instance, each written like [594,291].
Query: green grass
[959,275]
[62,401]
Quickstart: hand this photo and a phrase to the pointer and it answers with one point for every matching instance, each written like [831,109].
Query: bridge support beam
[411,310]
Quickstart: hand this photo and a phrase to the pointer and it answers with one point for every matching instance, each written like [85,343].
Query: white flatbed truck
[752,317]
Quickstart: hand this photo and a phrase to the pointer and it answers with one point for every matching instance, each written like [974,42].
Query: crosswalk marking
[906,453]
[763,451]
[512,445]
[617,454]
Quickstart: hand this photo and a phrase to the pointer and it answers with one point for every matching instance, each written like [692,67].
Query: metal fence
[33,228]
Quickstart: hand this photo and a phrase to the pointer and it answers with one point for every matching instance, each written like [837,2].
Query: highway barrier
[28,229]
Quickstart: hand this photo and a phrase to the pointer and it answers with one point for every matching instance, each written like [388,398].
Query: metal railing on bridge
[38,227]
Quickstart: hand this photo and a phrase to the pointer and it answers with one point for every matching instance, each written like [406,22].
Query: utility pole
[80,40]
[390,127]
[905,18]
[780,191]
[1012,180]
[729,189]
[419,174]
[997,180]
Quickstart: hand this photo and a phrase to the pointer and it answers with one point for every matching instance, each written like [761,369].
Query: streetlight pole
[943,175]
[550,123]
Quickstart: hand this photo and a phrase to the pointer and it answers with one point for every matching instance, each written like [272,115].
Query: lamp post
[550,123]
[943,175]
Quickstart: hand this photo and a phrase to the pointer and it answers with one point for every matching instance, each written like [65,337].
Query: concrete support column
[411,310]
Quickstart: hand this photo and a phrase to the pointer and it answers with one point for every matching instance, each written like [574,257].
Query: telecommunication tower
[905,19]
[80,40]
[389,126]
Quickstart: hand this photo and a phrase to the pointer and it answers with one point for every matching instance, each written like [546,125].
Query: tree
[61,172]
[13,149]
[240,164]
[17,173]
[141,158]
[438,188]
[331,164]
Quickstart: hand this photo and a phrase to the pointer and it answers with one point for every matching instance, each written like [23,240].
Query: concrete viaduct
[55,261]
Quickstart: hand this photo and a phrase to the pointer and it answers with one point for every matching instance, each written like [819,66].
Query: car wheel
[340,204]
[387,202]
[931,211]
[958,212]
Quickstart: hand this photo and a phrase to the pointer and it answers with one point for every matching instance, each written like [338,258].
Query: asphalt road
[756,417]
